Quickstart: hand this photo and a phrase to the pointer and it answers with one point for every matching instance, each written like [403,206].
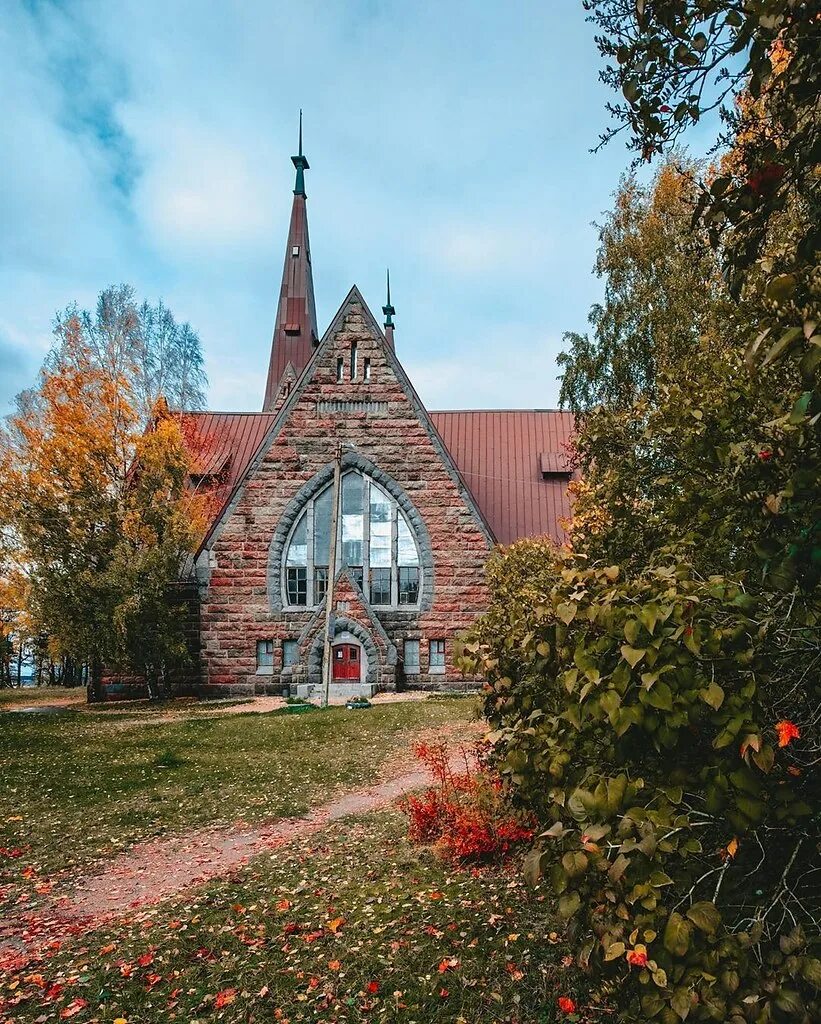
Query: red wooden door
[346,662]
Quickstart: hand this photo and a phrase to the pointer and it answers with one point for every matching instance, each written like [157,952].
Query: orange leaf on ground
[225,997]
[335,925]
[73,1008]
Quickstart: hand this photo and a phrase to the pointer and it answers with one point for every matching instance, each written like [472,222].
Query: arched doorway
[347,663]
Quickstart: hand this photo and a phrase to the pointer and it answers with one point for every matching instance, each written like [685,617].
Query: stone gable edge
[354,295]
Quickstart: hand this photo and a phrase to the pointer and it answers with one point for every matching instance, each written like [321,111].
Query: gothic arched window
[374,541]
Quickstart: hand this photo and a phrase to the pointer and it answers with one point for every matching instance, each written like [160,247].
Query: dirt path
[153,871]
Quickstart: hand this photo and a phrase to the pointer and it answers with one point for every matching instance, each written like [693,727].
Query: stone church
[423,498]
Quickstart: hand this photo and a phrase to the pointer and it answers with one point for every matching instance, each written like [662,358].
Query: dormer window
[553,465]
[295,250]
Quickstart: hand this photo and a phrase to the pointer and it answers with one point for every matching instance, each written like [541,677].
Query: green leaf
[705,915]
[661,697]
[574,863]
[784,343]
[681,1002]
[788,1001]
[610,703]
[799,410]
[713,695]
[677,935]
[618,867]
[567,612]
[632,655]
[811,971]
[569,904]
[632,628]
[651,1004]
[649,616]
[532,868]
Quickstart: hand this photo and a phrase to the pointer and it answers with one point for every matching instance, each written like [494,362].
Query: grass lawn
[350,925]
[33,695]
[77,786]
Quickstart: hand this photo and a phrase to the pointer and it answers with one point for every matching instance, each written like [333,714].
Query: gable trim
[353,296]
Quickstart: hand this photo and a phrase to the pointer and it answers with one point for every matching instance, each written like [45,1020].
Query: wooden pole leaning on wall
[327,660]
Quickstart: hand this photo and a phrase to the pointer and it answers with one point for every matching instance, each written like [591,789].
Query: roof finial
[388,309]
[301,164]
[389,312]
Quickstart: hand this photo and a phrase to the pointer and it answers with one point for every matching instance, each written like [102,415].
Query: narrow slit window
[340,369]
[366,370]
[353,360]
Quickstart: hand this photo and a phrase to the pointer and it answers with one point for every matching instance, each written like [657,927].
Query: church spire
[390,313]
[301,164]
[295,330]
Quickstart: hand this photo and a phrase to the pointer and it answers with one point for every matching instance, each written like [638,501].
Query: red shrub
[465,813]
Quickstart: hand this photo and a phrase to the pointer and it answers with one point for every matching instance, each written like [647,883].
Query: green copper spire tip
[388,309]
[301,164]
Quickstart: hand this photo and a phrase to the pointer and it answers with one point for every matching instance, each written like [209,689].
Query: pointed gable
[355,389]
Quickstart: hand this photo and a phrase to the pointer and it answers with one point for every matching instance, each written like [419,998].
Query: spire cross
[301,164]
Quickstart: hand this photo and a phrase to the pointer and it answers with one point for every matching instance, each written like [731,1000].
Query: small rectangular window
[265,654]
[380,586]
[408,584]
[437,656]
[320,584]
[297,585]
[366,370]
[290,653]
[411,656]
[353,360]
[340,370]
[295,250]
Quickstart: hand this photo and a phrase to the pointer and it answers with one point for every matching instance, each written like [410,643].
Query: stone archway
[352,631]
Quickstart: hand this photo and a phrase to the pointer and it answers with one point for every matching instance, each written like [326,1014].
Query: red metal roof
[513,461]
[295,331]
[500,454]
[221,446]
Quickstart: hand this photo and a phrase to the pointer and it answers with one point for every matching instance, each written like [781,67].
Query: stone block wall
[385,431]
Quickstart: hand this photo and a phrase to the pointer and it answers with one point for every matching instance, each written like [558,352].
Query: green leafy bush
[641,716]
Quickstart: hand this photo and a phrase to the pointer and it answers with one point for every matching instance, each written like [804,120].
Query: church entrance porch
[347,664]
[359,668]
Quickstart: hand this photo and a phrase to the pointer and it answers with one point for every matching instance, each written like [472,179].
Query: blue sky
[148,141]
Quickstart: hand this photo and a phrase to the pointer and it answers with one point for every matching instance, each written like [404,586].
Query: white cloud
[203,194]
[479,376]
[149,142]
